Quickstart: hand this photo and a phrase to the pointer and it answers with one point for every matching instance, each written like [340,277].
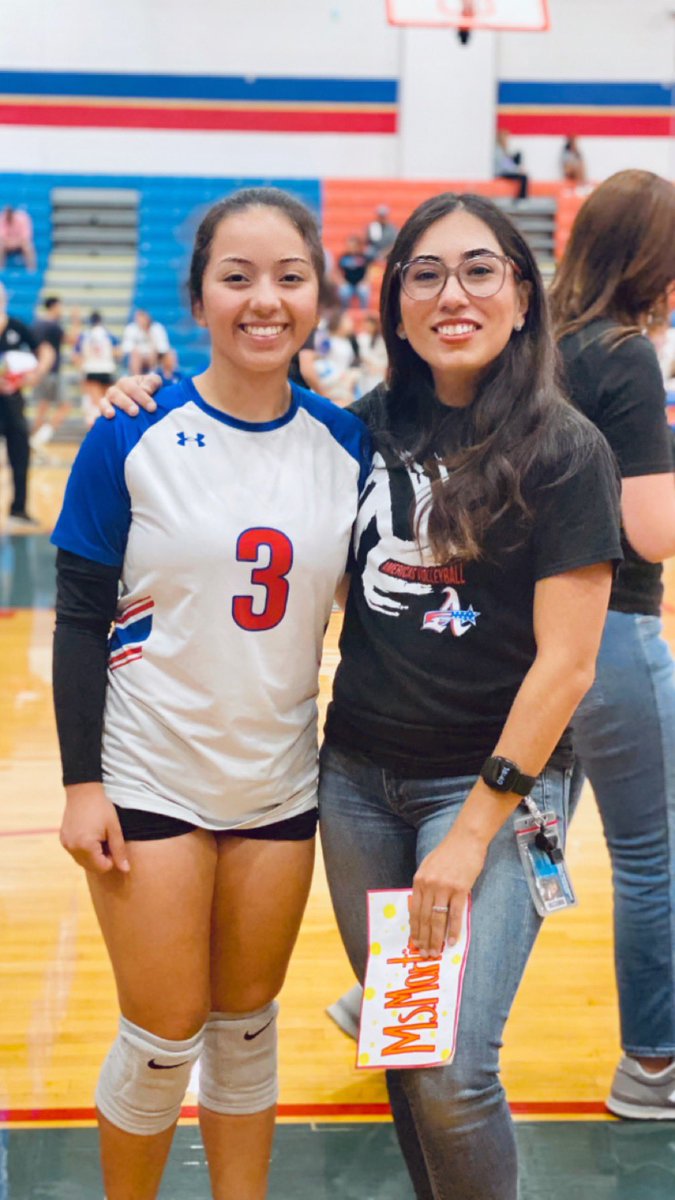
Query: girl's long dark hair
[518,419]
[620,258]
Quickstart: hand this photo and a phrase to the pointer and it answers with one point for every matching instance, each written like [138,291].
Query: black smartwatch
[502,775]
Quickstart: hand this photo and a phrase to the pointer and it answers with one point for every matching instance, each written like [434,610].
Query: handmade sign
[411,1003]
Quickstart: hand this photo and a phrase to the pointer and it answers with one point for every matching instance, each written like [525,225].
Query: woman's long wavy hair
[518,419]
[620,258]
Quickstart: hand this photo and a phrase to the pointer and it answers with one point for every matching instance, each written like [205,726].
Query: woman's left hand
[442,882]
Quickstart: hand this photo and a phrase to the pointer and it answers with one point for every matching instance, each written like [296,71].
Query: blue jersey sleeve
[96,513]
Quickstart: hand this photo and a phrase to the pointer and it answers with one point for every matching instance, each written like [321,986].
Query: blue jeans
[347,291]
[453,1123]
[624,736]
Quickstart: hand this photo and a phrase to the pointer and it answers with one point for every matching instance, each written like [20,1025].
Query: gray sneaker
[642,1095]
[346,1012]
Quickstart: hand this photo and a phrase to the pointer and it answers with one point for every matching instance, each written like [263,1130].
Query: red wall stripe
[232,120]
[589,124]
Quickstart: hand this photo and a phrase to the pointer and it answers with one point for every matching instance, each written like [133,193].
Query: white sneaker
[642,1095]
[346,1012]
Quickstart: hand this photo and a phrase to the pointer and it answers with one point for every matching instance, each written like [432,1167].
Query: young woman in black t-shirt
[618,267]
[480,578]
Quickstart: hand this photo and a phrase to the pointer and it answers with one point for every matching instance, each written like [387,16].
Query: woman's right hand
[90,830]
[130,393]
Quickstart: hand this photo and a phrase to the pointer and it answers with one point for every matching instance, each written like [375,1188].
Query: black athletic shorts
[100,377]
[139,826]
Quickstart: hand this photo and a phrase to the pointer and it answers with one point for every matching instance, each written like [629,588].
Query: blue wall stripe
[198,87]
[656,95]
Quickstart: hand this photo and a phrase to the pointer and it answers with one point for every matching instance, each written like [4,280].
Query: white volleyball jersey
[231,538]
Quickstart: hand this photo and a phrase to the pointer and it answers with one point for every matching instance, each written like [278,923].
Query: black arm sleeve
[86,599]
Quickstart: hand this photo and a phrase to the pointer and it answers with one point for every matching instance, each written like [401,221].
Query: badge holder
[543,860]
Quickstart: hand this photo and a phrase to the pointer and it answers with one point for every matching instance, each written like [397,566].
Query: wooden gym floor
[58,1010]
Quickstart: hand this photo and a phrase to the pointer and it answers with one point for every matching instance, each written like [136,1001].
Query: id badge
[544,863]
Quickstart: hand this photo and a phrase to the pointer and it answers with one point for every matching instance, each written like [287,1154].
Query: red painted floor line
[8,833]
[534,1108]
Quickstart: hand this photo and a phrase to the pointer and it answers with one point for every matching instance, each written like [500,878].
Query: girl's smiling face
[260,291]
[456,334]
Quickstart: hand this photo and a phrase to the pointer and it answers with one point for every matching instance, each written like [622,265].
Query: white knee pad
[238,1066]
[144,1079]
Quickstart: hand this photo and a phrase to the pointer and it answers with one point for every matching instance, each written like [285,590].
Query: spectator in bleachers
[168,368]
[16,236]
[52,407]
[144,342]
[95,352]
[353,266]
[572,166]
[17,338]
[508,164]
[380,234]
[331,368]
[372,355]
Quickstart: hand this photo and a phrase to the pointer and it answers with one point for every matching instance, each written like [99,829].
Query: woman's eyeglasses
[481,277]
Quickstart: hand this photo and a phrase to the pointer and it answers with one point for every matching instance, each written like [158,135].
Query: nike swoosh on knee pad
[248,1037]
[166,1066]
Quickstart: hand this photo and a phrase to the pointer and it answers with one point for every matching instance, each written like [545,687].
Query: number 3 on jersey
[272,577]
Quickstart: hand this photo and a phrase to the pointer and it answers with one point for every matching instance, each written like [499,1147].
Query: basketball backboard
[524,15]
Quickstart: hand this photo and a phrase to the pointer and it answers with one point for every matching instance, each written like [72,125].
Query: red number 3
[272,577]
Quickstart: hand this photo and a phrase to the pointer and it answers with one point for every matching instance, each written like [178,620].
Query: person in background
[572,166]
[144,342]
[617,269]
[380,234]
[372,355]
[15,335]
[508,164]
[353,266]
[16,236]
[334,363]
[95,352]
[52,407]
[168,368]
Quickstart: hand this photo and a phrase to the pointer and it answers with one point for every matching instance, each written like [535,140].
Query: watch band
[503,775]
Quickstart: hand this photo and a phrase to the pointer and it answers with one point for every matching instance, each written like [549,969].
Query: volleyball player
[189,742]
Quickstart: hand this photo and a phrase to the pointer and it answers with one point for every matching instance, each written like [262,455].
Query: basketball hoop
[466,15]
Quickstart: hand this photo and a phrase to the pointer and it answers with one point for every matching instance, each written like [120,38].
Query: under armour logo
[183,439]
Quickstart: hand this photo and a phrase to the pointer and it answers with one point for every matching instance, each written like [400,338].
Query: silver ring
[440,908]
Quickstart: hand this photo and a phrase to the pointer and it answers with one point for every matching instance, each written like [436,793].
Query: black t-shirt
[433,656]
[17,336]
[620,389]
[354,267]
[52,333]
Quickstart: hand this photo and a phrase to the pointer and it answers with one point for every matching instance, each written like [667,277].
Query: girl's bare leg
[260,896]
[155,922]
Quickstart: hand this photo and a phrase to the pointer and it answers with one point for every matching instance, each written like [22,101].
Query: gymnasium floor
[58,1011]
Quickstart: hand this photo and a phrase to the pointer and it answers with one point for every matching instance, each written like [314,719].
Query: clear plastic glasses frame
[479,278]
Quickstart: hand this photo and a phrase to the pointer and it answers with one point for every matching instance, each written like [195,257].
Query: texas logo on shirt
[132,628]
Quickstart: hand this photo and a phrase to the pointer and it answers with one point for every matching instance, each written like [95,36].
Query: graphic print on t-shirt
[396,568]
